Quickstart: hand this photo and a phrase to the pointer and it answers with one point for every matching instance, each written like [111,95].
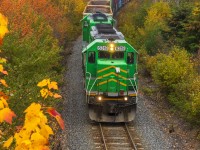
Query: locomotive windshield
[107,55]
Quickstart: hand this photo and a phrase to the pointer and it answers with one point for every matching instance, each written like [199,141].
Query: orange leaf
[3,95]
[57,95]
[4,82]
[50,93]
[6,115]
[60,122]
[5,72]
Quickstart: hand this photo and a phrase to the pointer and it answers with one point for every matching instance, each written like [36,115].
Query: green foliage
[154,28]
[145,25]
[148,91]
[185,26]
[175,74]
[168,70]
[30,59]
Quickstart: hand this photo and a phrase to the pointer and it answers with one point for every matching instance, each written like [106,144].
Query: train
[109,64]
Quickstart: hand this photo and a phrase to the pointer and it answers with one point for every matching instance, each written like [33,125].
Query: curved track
[115,137]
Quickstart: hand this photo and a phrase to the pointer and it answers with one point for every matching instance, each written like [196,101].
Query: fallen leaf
[57,95]
[43,83]
[60,122]
[53,85]
[56,115]
[4,82]
[52,112]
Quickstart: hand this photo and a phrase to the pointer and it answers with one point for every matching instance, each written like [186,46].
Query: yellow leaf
[44,93]
[3,71]
[38,139]
[53,85]
[46,131]
[3,26]
[26,142]
[43,83]
[33,108]
[1,68]
[8,142]
[4,102]
[1,105]
[3,82]
[2,60]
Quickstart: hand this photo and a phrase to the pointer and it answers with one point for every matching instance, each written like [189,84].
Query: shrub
[168,70]
[175,73]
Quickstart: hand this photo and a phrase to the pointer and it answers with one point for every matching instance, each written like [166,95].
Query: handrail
[89,79]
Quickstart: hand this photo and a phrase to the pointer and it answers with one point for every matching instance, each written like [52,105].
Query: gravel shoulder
[77,134]
[159,127]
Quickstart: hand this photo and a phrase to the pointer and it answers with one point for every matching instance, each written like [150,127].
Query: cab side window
[130,58]
[91,57]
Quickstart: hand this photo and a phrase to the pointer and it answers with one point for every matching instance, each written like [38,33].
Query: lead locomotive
[110,70]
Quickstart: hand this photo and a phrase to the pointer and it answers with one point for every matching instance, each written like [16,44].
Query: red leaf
[60,122]
[52,112]
[56,115]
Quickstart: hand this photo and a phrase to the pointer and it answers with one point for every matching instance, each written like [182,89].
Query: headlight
[125,98]
[112,48]
[99,98]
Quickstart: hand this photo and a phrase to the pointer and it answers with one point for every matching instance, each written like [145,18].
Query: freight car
[110,70]
[109,7]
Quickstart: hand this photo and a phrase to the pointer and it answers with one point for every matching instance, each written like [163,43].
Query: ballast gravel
[149,130]
[77,133]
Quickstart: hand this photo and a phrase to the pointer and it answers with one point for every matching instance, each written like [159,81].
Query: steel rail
[103,138]
[130,137]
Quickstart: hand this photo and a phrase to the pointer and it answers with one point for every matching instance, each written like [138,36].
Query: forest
[167,36]
[32,50]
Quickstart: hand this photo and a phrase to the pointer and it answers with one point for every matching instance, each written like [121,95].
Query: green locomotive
[110,70]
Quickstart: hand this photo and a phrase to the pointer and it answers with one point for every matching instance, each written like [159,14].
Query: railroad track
[115,137]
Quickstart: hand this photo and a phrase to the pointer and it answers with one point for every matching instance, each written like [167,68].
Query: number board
[106,48]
